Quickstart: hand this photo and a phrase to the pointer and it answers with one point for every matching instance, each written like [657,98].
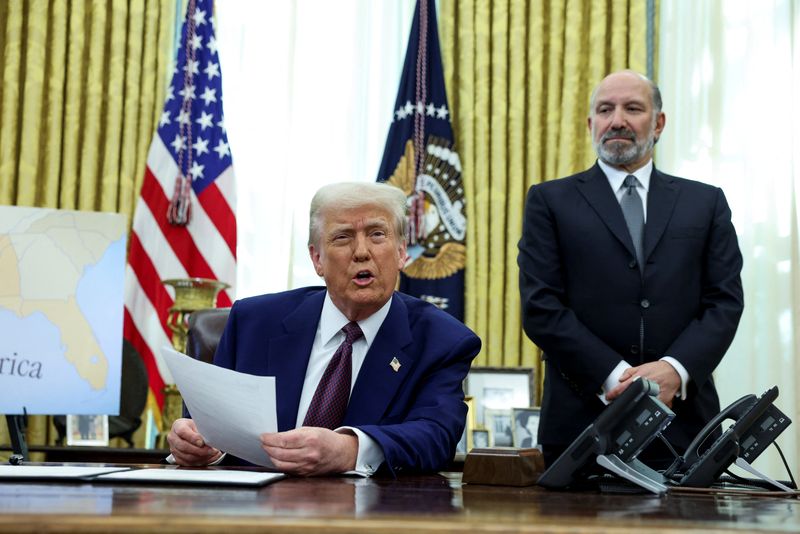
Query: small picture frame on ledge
[499,388]
[87,430]
[526,427]
[500,425]
[480,438]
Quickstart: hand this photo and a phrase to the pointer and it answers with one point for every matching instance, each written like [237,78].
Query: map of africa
[61,311]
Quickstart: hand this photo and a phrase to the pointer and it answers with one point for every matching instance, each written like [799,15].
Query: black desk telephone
[757,423]
[631,422]
[615,438]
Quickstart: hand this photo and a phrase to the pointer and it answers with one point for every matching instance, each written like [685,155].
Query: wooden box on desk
[503,466]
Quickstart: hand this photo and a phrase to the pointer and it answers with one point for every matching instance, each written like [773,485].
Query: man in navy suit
[405,409]
[608,301]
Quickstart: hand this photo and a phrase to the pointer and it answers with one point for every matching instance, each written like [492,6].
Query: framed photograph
[480,438]
[465,443]
[499,388]
[87,430]
[500,427]
[526,427]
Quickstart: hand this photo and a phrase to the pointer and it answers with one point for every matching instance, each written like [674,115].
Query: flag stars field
[421,108]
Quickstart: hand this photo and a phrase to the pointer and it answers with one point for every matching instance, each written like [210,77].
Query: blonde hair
[349,195]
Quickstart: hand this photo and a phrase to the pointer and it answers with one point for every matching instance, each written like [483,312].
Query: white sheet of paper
[54,471]
[230,409]
[195,476]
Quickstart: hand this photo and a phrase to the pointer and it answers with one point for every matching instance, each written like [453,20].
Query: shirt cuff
[370,455]
[681,371]
[612,380]
[171,459]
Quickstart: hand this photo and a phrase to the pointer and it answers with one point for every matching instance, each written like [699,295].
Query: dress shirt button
[644,303]
[632,264]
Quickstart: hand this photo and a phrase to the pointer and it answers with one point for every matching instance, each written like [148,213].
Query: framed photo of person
[500,427]
[525,427]
[480,438]
[87,430]
[499,388]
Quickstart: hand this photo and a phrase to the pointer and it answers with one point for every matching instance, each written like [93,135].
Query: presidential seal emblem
[436,204]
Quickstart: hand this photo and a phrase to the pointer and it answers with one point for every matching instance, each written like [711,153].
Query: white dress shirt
[327,339]
[616,177]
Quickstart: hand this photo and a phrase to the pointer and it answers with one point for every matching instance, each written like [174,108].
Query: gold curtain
[519,75]
[82,88]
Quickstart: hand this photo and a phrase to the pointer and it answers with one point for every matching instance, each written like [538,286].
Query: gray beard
[617,153]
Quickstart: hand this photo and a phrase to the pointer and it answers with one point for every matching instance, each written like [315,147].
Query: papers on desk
[54,471]
[230,409]
[167,475]
[194,476]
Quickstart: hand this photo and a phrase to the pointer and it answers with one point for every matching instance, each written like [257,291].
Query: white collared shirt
[327,339]
[616,177]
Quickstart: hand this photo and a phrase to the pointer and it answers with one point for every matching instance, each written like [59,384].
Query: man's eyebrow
[371,223]
[624,102]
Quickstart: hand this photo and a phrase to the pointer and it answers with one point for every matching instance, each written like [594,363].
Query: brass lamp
[191,294]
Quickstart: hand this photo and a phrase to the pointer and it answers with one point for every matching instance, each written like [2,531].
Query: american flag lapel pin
[395,364]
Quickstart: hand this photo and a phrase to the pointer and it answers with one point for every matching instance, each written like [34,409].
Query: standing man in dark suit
[365,376]
[626,271]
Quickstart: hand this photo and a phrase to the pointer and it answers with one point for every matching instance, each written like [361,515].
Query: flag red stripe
[135,338]
[178,237]
[223,300]
[150,281]
[220,214]
[206,246]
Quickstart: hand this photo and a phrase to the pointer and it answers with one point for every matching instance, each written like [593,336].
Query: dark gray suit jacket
[583,296]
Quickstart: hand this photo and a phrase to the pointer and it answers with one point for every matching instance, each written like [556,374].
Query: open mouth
[363,277]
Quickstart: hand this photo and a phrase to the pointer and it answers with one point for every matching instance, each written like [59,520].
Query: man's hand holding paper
[188,447]
[230,410]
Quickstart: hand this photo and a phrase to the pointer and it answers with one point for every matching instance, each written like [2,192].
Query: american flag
[185,222]
[420,158]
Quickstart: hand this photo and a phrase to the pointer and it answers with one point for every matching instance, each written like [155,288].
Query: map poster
[61,311]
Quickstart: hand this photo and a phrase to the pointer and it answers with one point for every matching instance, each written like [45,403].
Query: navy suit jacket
[416,414]
[584,297]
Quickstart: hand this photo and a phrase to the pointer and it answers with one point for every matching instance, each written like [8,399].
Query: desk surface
[434,503]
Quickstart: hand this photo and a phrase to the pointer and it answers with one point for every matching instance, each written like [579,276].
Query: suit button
[632,264]
[644,303]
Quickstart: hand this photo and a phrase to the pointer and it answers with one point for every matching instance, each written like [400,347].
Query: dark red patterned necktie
[329,404]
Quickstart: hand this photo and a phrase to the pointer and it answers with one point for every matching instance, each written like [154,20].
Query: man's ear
[661,120]
[316,260]
[403,255]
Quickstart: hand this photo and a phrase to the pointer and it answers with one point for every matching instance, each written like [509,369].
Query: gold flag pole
[191,294]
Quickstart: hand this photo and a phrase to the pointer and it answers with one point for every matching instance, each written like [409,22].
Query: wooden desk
[116,455]
[435,503]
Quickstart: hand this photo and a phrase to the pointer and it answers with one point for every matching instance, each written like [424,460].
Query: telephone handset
[757,423]
[734,411]
[619,434]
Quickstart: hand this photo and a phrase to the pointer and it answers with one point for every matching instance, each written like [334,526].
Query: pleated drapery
[82,88]
[520,75]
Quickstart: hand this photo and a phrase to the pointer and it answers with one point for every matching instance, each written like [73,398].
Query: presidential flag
[421,159]
[185,223]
